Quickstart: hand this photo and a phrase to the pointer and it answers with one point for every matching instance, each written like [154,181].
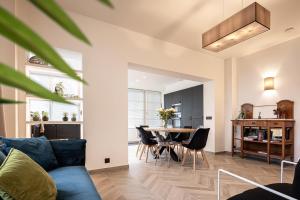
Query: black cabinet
[197,101]
[191,100]
[187,103]
[196,122]
[70,131]
[57,131]
[186,121]
[177,97]
[168,100]
[50,131]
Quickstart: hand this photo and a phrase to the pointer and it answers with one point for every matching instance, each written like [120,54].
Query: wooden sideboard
[257,137]
[268,138]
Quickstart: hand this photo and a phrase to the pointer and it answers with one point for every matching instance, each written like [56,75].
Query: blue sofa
[69,173]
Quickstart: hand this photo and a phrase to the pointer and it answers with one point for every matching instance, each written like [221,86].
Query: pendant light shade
[247,23]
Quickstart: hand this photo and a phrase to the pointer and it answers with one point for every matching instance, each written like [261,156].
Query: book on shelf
[250,138]
[262,152]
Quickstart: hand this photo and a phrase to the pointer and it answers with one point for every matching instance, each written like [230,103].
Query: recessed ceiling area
[183,22]
[157,82]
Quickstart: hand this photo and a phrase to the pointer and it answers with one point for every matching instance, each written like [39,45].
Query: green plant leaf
[9,101]
[107,2]
[14,78]
[54,11]
[18,32]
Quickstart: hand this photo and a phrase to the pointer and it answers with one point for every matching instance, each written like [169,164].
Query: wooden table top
[175,130]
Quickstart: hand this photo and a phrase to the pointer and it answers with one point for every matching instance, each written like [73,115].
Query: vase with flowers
[166,114]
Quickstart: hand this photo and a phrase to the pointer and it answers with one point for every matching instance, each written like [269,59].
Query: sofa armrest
[252,183]
[69,152]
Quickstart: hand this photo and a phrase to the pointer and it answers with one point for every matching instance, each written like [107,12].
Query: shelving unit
[49,77]
[255,136]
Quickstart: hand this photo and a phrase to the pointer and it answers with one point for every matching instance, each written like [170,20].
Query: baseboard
[95,171]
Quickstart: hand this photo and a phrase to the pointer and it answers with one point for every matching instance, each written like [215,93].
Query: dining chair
[196,144]
[147,141]
[140,144]
[163,143]
[181,137]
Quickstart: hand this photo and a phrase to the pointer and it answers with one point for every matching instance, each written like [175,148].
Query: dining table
[167,130]
[171,130]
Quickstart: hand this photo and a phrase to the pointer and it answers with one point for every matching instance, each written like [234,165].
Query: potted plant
[74,115]
[166,114]
[36,116]
[65,116]
[45,116]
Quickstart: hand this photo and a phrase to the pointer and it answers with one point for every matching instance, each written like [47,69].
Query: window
[142,110]
[49,78]
[153,103]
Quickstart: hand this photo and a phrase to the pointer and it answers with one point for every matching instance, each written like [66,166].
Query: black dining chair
[140,144]
[183,136]
[177,138]
[196,144]
[163,144]
[147,142]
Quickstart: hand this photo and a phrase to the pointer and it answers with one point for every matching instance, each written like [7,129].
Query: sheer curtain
[142,110]
[153,103]
[136,110]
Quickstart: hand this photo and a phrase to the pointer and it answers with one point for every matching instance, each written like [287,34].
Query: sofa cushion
[74,183]
[38,149]
[69,152]
[22,178]
[263,194]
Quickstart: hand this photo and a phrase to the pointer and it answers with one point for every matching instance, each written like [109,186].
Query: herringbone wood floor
[147,181]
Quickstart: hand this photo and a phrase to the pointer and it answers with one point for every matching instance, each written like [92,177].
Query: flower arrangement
[166,114]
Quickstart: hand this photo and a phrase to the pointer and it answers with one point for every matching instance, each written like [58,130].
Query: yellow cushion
[23,179]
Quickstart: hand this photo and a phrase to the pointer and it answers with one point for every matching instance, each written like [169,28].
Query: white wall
[282,61]
[105,68]
[231,111]
[7,56]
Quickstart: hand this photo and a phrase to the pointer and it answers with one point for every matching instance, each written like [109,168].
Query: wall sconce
[269,83]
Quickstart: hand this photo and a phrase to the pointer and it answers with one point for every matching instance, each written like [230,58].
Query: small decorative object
[37,60]
[65,118]
[276,112]
[59,89]
[166,114]
[45,116]
[74,115]
[259,115]
[36,116]
[260,136]
[241,115]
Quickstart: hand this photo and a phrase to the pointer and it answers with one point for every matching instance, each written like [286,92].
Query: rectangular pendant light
[245,24]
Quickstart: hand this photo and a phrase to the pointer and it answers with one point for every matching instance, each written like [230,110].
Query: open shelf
[260,138]
[256,141]
[256,153]
[237,138]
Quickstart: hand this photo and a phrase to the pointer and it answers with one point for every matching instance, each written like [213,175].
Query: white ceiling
[157,82]
[183,21]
